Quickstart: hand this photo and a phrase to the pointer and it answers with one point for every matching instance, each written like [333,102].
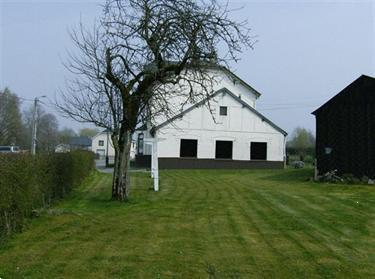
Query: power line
[288,108]
[301,101]
[289,104]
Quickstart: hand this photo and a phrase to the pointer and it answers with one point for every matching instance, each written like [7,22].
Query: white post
[152,159]
[155,165]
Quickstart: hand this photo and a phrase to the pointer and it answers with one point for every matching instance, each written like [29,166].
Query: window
[224,149]
[223,110]
[140,143]
[101,143]
[258,151]
[188,148]
[100,152]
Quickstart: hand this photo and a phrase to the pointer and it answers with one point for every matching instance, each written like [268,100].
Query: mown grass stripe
[263,206]
[202,223]
[264,228]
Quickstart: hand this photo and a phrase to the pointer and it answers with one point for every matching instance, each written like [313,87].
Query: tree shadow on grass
[99,199]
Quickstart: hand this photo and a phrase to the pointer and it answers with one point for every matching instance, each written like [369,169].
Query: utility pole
[35,125]
[106,153]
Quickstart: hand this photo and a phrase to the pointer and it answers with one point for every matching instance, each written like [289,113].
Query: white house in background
[241,137]
[62,148]
[102,145]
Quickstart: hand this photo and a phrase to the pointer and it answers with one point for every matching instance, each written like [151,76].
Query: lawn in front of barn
[202,224]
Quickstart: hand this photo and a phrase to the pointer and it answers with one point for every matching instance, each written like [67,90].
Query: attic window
[223,110]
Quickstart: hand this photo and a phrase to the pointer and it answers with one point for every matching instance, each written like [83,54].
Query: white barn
[241,137]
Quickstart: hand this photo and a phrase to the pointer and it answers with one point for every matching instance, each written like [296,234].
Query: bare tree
[140,56]
[65,134]
[88,132]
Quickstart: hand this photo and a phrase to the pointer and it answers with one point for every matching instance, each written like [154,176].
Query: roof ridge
[361,77]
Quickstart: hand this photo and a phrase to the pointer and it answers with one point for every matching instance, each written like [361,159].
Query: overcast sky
[307,51]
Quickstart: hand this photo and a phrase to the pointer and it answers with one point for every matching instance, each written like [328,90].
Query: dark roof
[359,86]
[225,91]
[80,141]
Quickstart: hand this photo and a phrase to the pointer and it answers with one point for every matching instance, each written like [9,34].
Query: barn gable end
[345,130]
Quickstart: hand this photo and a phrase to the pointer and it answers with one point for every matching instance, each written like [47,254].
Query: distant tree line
[16,125]
[301,145]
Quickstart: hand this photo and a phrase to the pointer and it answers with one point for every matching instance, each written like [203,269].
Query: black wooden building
[345,130]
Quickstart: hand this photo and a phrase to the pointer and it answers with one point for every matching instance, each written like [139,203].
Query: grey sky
[307,51]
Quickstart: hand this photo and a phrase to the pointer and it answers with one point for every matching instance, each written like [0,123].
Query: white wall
[95,144]
[236,87]
[177,104]
[241,126]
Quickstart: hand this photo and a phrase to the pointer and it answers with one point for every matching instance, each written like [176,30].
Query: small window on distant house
[224,149]
[223,110]
[101,143]
[258,151]
[188,148]
[140,143]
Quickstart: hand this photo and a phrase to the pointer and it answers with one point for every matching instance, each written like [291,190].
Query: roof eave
[227,91]
[244,83]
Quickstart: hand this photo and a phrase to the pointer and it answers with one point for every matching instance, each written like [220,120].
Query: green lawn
[202,224]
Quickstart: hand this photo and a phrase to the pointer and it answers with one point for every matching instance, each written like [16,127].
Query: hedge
[31,182]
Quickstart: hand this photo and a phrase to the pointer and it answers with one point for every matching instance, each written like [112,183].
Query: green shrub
[31,182]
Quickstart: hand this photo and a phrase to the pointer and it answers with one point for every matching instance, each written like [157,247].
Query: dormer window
[223,110]
[140,143]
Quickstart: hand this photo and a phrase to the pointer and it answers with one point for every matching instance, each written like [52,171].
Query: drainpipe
[284,150]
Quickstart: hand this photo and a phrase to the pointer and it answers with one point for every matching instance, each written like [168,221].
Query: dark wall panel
[185,163]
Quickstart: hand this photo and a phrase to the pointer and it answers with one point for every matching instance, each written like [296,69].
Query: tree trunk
[116,164]
[121,177]
[115,173]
